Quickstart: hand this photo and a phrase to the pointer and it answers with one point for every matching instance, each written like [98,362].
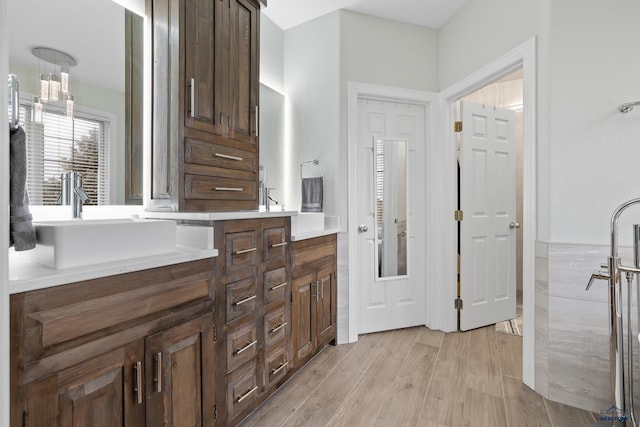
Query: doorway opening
[505,94]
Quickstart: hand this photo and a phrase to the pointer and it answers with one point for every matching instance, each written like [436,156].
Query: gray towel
[311,195]
[21,232]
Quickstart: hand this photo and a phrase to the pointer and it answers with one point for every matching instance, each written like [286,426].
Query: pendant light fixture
[53,87]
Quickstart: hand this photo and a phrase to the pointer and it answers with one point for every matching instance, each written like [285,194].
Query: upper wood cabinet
[205,74]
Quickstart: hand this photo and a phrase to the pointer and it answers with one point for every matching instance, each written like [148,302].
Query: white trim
[357,90]
[523,56]
[4,221]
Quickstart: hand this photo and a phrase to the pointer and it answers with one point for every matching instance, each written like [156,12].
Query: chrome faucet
[72,192]
[268,199]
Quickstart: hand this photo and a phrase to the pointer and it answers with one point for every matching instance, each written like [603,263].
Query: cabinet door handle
[281,285]
[317,290]
[242,301]
[221,119]
[138,385]
[246,347]
[279,368]
[257,122]
[277,328]
[322,289]
[228,157]
[158,378]
[193,96]
[244,396]
[277,245]
[245,251]
[238,189]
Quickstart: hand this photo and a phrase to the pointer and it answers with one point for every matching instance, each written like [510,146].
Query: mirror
[106,41]
[272,132]
[391,208]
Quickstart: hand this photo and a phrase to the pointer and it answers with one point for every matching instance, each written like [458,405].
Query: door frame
[522,56]
[356,90]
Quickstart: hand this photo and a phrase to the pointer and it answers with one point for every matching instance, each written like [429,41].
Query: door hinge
[458,215]
[457,126]
[215,333]
[457,304]
[215,412]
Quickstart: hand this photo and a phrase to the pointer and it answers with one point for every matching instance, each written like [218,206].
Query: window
[60,144]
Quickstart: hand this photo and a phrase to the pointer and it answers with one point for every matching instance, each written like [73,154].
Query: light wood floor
[416,377]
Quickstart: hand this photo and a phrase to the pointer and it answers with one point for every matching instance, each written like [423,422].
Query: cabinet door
[303,310]
[100,392]
[243,74]
[326,314]
[180,380]
[203,42]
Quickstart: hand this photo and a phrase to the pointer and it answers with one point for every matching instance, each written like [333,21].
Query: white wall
[594,150]
[312,86]
[271,54]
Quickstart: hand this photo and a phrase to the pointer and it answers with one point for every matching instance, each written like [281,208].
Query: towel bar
[315,162]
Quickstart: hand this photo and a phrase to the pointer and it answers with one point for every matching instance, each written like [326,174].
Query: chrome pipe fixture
[14,97]
[612,273]
[628,106]
[72,193]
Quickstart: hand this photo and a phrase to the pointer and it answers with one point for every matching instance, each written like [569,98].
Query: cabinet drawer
[242,344]
[275,285]
[216,188]
[220,156]
[276,324]
[276,366]
[241,249]
[242,390]
[241,298]
[275,243]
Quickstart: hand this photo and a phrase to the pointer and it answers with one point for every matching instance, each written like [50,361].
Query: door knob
[363,229]
[514,225]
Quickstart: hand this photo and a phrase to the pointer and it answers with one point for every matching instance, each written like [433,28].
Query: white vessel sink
[307,222]
[66,244]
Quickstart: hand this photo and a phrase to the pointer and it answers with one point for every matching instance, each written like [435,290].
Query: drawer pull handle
[138,387]
[246,347]
[277,328]
[158,378]
[244,396]
[279,368]
[228,157]
[242,301]
[238,189]
[281,285]
[245,251]
[277,245]
[257,122]
[193,96]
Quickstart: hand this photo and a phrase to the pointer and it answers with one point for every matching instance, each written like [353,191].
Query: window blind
[60,144]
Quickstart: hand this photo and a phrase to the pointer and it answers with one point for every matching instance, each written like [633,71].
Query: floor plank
[416,377]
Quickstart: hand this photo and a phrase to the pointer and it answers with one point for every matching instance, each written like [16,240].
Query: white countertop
[317,233]
[217,216]
[28,276]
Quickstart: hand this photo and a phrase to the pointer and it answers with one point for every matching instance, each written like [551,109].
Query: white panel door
[399,301]
[488,202]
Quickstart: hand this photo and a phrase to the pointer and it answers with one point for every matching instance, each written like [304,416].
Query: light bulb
[54,88]
[70,106]
[64,80]
[44,88]
[36,111]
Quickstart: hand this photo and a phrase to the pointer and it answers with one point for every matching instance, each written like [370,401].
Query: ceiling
[90,31]
[429,13]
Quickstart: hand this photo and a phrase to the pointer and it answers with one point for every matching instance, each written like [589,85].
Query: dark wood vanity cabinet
[129,350]
[205,147]
[314,306]
[252,312]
